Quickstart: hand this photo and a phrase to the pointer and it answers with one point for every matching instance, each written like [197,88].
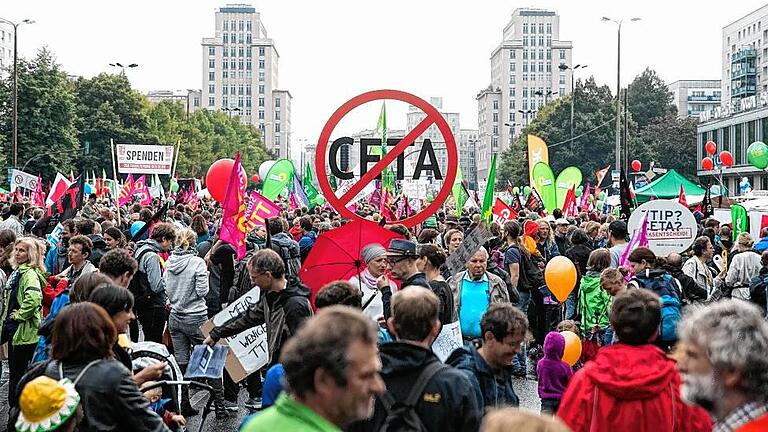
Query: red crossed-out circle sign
[432,116]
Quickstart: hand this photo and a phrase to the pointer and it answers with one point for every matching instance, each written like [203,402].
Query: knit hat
[372,251]
[46,404]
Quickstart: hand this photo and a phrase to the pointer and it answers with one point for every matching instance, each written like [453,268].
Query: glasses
[392,261]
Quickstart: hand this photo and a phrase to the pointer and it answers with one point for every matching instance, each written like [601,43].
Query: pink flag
[37,195]
[233,220]
[141,189]
[639,239]
[584,199]
[127,191]
[258,210]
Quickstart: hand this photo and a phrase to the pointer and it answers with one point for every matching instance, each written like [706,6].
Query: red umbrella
[336,253]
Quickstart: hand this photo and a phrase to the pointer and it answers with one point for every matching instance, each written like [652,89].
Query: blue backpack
[666,288]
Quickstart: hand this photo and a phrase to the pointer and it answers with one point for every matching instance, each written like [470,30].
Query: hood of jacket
[629,372]
[590,282]
[152,244]
[179,260]
[468,358]
[294,288]
[98,241]
[403,357]
[554,346]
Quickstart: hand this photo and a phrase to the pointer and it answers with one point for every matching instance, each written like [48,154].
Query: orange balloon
[572,351]
[560,276]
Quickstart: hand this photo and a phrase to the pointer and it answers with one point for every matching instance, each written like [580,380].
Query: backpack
[401,416]
[242,281]
[530,277]
[666,288]
[139,286]
[290,254]
[757,290]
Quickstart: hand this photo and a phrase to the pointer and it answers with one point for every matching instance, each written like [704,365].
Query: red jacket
[630,389]
[757,425]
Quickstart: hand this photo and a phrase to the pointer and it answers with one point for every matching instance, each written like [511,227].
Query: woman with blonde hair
[514,419]
[546,243]
[743,265]
[22,309]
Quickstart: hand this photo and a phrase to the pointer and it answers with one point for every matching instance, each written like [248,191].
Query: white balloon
[264,168]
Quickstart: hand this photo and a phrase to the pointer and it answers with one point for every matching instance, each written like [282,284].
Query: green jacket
[594,302]
[289,415]
[29,315]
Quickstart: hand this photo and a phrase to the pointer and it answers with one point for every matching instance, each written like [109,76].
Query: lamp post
[618,86]
[525,114]
[122,67]
[564,67]
[546,96]
[231,110]
[16,83]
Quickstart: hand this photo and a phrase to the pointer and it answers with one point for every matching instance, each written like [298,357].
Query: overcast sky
[331,51]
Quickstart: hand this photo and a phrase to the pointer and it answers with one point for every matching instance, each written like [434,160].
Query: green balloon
[174,186]
[599,205]
[602,195]
[526,190]
[757,155]
[515,190]
[578,192]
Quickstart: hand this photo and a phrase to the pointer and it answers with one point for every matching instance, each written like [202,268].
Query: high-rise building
[692,97]
[240,74]
[6,48]
[189,98]
[525,75]
[414,117]
[745,56]
[467,142]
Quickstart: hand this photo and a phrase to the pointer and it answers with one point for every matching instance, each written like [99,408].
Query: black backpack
[139,286]
[242,281]
[401,416]
[291,255]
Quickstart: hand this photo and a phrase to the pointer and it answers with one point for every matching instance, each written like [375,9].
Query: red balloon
[636,165]
[255,178]
[707,164]
[726,158]
[710,147]
[217,178]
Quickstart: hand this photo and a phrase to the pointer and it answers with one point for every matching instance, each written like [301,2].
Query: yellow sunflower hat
[46,404]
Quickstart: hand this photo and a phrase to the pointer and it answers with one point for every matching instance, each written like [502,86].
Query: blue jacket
[491,388]
[762,245]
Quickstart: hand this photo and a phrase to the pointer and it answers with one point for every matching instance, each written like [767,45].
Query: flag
[193,202]
[384,209]
[233,220]
[534,202]
[739,219]
[298,194]
[460,195]
[258,210]
[309,187]
[375,199]
[67,205]
[600,174]
[639,239]
[681,198]
[569,202]
[516,204]
[127,191]
[487,212]
[502,213]
[141,189]
[537,152]
[387,176]
[706,204]
[625,197]
[584,204]
[37,194]
[60,184]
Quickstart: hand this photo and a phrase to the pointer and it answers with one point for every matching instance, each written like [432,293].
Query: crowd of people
[669,343]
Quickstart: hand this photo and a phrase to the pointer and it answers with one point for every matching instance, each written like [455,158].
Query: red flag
[502,213]
[763,222]
[233,220]
[600,174]
[681,199]
[570,202]
[384,209]
[37,195]
[127,191]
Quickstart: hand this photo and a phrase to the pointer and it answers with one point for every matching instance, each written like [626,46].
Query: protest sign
[472,242]
[248,350]
[22,179]
[671,226]
[447,341]
[144,159]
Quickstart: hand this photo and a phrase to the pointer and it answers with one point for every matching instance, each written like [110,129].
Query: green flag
[387,176]
[544,183]
[308,187]
[740,220]
[278,178]
[487,213]
[459,194]
[566,180]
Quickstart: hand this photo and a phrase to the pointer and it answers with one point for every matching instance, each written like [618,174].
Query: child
[158,405]
[553,373]
[595,304]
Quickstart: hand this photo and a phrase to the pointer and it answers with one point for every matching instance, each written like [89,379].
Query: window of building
[549,28]
[261,51]
[261,88]
[277,128]
[225,74]
[247,89]
[541,77]
[225,102]
[211,51]
[525,54]
[232,38]
[241,64]
[211,88]
[512,91]
[248,102]
[512,67]
[249,74]
[525,66]
[241,52]
[495,129]
[196,102]
[225,38]
[248,38]
[241,90]
[226,25]
[241,25]
[562,90]
[495,104]
[562,78]
[549,54]
[248,64]
[525,104]
[211,76]
[525,92]
[232,51]
[525,40]
[261,114]
[233,64]
[562,54]
[525,28]
[261,63]
[541,40]
[248,25]
[533,42]
[541,66]
[224,90]
[261,101]
[525,77]
[211,101]
[277,115]
[277,102]
[249,52]
[541,27]
[549,67]
[240,102]
[541,54]
[512,114]
[211,64]
[512,54]
[232,89]
[261,76]
[241,38]
[225,52]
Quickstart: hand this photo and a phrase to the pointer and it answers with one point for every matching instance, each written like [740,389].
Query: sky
[333,50]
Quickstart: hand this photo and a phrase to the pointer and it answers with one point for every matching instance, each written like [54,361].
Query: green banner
[487,213]
[740,220]
[567,179]
[279,176]
[544,182]
[309,188]
[459,194]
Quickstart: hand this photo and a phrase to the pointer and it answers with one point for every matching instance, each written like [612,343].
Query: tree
[664,134]
[649,98]
[109,109]
[47,136]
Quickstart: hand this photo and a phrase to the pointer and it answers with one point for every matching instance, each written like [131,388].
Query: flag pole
[176,159]
[117,185]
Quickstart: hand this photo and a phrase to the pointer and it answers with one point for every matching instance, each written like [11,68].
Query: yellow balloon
[560,276]
[572,351]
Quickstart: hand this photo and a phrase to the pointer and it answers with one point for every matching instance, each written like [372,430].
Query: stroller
[148,353]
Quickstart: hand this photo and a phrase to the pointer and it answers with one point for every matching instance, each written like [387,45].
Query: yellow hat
[46,404]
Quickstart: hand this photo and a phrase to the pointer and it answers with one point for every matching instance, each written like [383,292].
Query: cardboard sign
[415,188]
[671,226]
[144,159]
[447,341]
[457,261]
[248,350]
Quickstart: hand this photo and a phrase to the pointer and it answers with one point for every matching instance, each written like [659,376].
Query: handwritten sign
[474,239]
[248,350]
[447,341]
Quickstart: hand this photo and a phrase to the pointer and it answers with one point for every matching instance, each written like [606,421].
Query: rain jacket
[492,388]
[553,372]
[289,415]
[186,282]
[26,284]
[447,403]
[152,265]
[594,302]
[282,311]
[630,389]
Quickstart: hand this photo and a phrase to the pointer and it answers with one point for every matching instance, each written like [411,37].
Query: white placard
[447,341]
[414,188]
[22,179]
[144,159]
[671,226]
[250,346]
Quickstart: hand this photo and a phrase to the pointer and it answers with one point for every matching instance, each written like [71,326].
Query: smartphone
[206,358]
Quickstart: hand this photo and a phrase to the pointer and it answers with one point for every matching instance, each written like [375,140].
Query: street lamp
[618,86]
[546,96]
[16,83]
[563,67]
[525,114]
[231,110]
[122,67]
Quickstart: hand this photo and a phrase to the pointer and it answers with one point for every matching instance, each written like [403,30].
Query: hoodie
[492,388]
[553,372]
[594,302]
[630,389]
[152,266]
[447,403]
[186,282]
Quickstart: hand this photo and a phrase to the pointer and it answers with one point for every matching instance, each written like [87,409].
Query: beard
[701,390]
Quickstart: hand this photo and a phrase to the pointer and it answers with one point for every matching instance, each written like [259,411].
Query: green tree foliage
[47,136]
[108,108]
[670,142]
[649,98]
